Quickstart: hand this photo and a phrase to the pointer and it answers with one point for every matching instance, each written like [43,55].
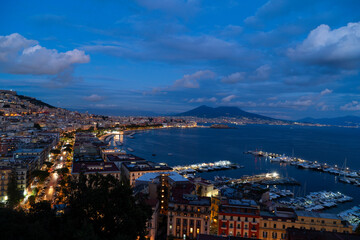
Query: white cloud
[351,106]
[339,47]
[234,78]
[93,98]
[192,80]
[297,104]
[228,98]
[326,91]
[262,72]
[19,55]
[202,100]
[105,105]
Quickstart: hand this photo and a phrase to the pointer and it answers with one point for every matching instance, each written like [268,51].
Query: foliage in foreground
[99,208]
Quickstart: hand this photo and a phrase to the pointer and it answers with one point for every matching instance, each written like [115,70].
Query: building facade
[240,218]
[5,173]
[188,217]
[274,225]
[131,171]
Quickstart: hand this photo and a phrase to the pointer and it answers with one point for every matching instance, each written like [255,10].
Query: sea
[331,145]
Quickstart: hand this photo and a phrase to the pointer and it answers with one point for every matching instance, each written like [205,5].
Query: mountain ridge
[349,120]
[204,111]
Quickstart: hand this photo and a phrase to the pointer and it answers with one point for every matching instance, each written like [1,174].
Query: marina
[275,193]
[317,201]
[206,167]
[346,175]
[266,179]
[351,215]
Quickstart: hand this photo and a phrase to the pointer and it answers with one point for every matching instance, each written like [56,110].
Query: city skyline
[283,59]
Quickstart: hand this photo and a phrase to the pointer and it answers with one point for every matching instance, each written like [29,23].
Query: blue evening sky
[284,59]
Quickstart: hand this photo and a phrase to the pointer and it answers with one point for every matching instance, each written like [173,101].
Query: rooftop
[192,200]
[146,166]
[302,234]
[316,215]
[124,157]
[149,177]
[93,167]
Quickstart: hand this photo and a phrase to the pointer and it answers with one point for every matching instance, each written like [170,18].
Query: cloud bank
[19,55]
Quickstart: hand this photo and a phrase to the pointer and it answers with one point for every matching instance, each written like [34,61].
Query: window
[238,218]
[231,218]
[283,226]
[238,226]
[231,225]
[246,226]
[322,221]
[246,219]
[265,225]
[265,234]
[302,219]
[283,235]
[245,235]
[312,220]
[274,235]
[254,219]
[274,225]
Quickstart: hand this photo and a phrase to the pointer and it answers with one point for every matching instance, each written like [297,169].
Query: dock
[346,174]
[206,167]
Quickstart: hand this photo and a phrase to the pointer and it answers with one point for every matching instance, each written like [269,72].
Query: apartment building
[188,217]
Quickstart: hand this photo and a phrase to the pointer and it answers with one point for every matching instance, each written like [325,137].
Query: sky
[283,59]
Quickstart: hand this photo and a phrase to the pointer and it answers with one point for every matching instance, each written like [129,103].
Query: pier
[346,174]
[266,179]
[206,167]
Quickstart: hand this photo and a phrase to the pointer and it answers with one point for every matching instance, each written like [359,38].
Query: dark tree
[357,230]
[109,206]
[14,193]
[31,200]
[62,171]
[55,151]
[37,126]
[42,175]
[68,149]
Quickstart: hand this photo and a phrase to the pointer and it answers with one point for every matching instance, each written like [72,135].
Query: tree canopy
[14,193]
[100,207]
[109,206]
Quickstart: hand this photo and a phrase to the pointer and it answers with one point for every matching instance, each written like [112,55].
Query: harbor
[266,179]
[316,201]
[206,167]
[346,175]
[351,215]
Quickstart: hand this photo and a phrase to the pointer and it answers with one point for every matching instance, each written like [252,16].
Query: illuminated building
[239,218]
[188,216]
